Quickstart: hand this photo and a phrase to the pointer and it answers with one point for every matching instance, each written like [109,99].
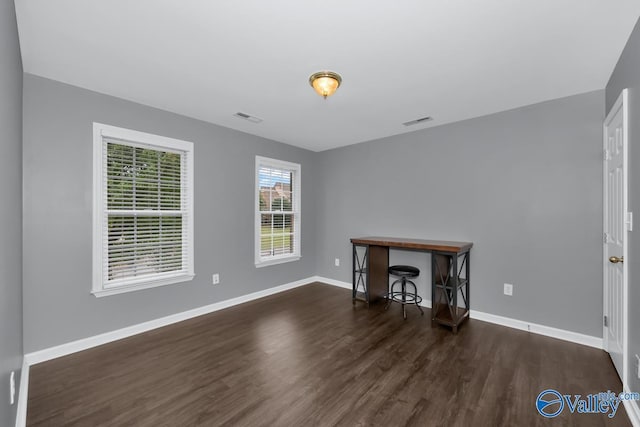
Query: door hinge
[605,155]
[606,238]
[606,321]
[629,221]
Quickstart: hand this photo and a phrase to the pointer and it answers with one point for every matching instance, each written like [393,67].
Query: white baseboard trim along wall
[90,342]
[505,321]
[633,410]
[539,329]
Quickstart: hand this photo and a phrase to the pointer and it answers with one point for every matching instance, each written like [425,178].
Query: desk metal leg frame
[446,285]
[360,274]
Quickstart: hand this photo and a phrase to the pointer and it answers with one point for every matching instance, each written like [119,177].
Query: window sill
[143,284]
[275,261]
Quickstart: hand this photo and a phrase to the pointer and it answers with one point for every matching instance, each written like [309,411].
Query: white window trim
[140,139]
[273,260]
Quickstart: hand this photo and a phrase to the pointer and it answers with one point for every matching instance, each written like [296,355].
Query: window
[277,227]
[143,210]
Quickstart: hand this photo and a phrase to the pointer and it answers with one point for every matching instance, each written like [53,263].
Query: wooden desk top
[419,244]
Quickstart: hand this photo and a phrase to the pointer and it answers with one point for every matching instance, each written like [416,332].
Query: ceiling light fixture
[325,83]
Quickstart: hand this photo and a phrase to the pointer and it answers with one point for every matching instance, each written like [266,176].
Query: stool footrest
[408,298]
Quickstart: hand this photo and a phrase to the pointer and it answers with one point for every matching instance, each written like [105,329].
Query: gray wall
[524,185]
[58,306]
[627,75]
[10,207]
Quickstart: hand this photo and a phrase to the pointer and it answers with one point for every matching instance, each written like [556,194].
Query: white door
[617,223]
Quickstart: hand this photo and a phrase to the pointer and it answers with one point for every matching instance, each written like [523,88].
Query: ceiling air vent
[420,120]
[246,116]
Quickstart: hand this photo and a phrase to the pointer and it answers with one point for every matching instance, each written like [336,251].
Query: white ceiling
[400,60]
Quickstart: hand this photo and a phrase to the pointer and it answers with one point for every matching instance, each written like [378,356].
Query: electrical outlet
[216,279]
[508,289]
[12,388]
[337,262]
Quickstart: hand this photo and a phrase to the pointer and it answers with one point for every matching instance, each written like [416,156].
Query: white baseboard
[107,337]
[23,394]
[548,331]
[633,411]
[347,285]
[504,321]
[86,343]
[338,283]
[94,341]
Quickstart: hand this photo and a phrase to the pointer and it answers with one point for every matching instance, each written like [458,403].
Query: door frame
[621,104]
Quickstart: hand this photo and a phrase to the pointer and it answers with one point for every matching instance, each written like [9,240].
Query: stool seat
[404,271]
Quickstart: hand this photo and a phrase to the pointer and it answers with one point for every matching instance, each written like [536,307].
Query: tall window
[277,227]
[143,210]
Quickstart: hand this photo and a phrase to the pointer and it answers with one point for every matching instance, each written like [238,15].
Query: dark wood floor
[307,357]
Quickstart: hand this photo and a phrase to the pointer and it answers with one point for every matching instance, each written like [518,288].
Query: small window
[143,210]
[277,227]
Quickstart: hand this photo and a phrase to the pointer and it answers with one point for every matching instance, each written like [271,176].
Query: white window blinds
[146,213]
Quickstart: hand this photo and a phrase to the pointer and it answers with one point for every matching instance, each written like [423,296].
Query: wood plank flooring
[307,357]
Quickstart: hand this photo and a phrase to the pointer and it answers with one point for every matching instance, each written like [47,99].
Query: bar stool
[404,272]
